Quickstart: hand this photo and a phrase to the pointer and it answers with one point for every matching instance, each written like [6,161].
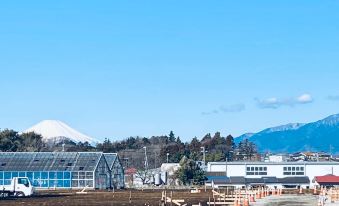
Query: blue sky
[124,68]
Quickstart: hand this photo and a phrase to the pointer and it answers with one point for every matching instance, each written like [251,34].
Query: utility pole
[146,160]
[155,160]
[203,155]
[63,145]
[330,152]
[226,167]
[167,156]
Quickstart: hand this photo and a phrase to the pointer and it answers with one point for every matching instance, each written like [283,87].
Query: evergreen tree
[9,141]
[246,149]
[230,141]
[195,145]
[207,137]
[30,142]
[218,139]
[189,172]
[171,137]
[230,148]
[178,141]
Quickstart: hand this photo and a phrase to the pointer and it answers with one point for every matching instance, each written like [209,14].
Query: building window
[256,171]
[293,171]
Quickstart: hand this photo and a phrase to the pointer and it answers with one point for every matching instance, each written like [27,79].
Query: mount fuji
[55,131]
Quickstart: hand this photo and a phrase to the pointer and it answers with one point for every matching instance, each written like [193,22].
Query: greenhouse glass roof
[49,161]
[110,158]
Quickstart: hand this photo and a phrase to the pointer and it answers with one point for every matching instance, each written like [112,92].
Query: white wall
[311,169]
[232,170]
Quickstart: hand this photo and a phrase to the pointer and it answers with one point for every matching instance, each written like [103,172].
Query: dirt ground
[104,198]
[146,197]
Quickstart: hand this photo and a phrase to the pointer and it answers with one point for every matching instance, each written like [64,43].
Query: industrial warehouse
[96,170]
[272,174]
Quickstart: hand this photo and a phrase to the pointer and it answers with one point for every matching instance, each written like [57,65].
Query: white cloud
[233,108]
[305,98]
[274,102]
[227,109]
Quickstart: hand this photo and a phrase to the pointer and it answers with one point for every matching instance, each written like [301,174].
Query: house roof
[294,180]
[263,180]
[272,163]
[327,179]
[131,171]
[237,180]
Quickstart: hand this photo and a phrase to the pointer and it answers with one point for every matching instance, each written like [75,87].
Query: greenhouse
[117,171]
[61,169]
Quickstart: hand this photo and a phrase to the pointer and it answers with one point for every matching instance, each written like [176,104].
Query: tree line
[131,150]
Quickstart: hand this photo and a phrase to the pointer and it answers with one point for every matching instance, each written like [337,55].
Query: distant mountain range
[322,135]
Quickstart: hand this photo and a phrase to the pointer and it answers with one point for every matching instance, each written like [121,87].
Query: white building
[277,158]
[281,170]
[170,168]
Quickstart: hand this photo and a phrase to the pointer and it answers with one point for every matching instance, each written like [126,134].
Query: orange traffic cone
[246,203]
[252,199]
[236,202]
[258,194]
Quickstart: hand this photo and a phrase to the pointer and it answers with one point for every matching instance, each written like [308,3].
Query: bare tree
[144,175]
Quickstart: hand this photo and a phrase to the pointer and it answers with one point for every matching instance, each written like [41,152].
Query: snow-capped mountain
[56,131]
[290,126]
[315,136]
[331,120]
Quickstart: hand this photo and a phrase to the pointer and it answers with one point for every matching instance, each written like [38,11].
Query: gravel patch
[288,200]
